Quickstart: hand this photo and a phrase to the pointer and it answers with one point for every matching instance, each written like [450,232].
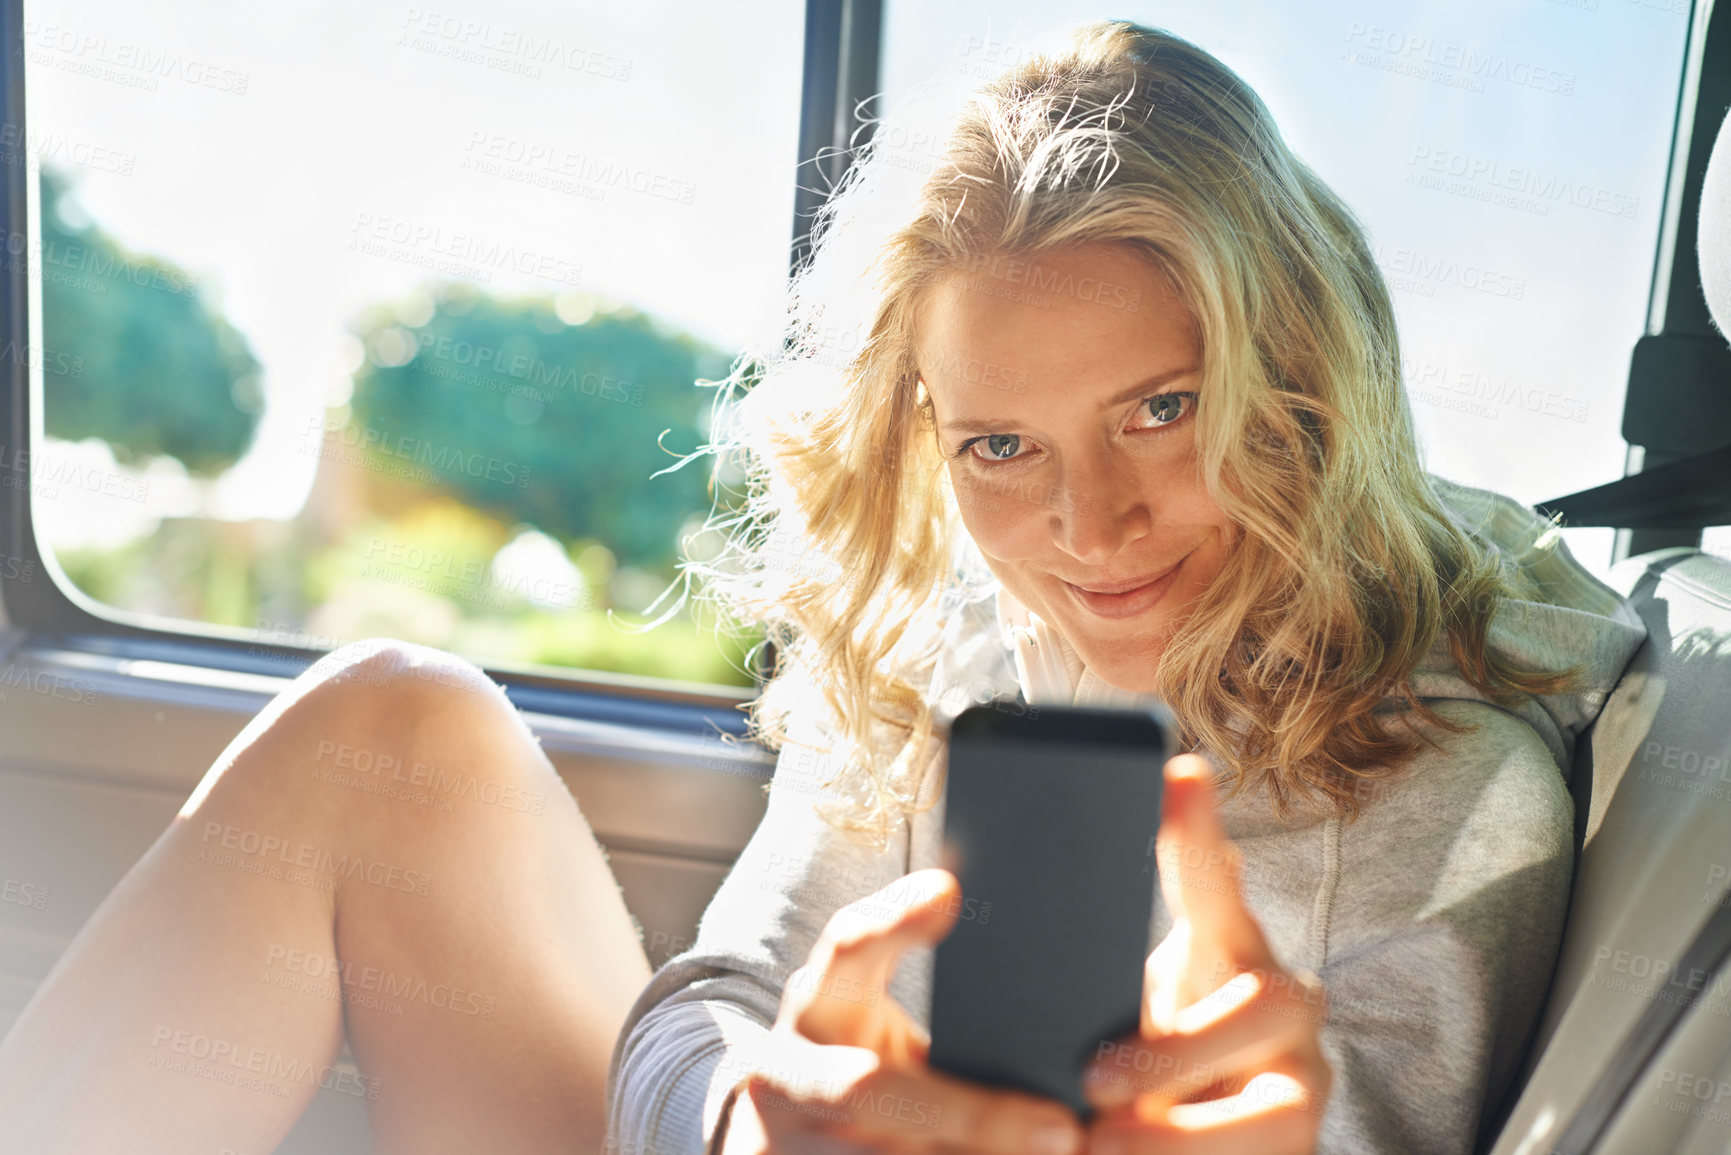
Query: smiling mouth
[1126,587]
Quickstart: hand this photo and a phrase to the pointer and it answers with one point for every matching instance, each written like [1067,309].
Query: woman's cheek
[997,516]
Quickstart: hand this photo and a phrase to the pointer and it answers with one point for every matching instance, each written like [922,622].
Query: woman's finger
[1242,1028]
[841,994]
[1269,1116]
[850,1094]
[1201,870]
[1275,1110]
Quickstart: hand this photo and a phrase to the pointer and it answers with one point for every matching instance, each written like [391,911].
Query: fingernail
[1053,1138]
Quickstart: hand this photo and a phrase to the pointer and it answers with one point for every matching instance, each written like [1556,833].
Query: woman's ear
[927,411]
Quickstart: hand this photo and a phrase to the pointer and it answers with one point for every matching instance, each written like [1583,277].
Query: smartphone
[1050,815]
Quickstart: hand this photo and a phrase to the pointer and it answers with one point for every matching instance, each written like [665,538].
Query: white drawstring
[1040,665]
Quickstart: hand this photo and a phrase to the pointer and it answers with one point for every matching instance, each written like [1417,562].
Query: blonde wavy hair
[848,549]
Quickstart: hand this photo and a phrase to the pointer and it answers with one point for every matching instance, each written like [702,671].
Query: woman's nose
[1097,511]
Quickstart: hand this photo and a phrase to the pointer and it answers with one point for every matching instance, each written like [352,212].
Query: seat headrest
[1713,237]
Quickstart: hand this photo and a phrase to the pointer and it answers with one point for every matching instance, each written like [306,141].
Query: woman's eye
[1001,446]
[1165,408]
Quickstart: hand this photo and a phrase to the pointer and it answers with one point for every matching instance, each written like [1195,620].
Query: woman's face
[1065,388]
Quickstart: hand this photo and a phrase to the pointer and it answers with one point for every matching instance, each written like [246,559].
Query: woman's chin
[1135,671]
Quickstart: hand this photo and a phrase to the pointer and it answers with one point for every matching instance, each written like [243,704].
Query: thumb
[841,994]
[1201,871]
[865,938]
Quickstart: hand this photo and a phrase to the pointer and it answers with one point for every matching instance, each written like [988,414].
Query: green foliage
[256,574]
[536,420]
[679,648]
[132,354]
[473,418]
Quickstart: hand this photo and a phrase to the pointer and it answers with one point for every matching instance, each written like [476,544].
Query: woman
[1120,414]
[1177,362]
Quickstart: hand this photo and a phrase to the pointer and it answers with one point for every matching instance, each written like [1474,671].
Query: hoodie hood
[1576,621]
[995,645]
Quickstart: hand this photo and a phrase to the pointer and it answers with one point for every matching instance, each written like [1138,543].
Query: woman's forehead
[1094,310]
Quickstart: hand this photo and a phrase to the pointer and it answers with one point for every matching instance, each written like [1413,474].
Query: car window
[379,318]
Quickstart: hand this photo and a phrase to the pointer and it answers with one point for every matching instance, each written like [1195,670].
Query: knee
[376,735]
[400,667]
[375,702]
[402,679]
[402,691]
[437,717]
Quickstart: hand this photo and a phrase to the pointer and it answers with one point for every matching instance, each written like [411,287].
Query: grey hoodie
[1433,918]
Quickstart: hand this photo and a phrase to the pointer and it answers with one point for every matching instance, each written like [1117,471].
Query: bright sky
[356,122]
[358,117]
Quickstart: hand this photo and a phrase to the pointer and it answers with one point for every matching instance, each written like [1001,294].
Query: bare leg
[484,957]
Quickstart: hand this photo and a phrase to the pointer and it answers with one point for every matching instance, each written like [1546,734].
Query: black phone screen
[1049,822]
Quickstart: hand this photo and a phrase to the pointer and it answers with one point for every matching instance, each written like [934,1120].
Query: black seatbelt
[1633,1058]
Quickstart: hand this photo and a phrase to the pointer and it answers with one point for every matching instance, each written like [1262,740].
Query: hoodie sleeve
[691,1034]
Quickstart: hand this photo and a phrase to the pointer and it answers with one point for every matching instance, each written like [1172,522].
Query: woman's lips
[1130,602]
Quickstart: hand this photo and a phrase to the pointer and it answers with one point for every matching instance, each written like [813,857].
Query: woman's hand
[1229,1057]
[845,1061]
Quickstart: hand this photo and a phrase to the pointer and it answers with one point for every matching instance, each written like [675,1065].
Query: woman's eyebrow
[1140,389]
[974,425]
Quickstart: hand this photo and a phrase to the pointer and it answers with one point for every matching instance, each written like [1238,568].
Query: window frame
[1695,408]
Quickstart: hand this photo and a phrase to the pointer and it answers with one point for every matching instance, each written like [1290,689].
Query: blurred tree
[131,352]
[539,411]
